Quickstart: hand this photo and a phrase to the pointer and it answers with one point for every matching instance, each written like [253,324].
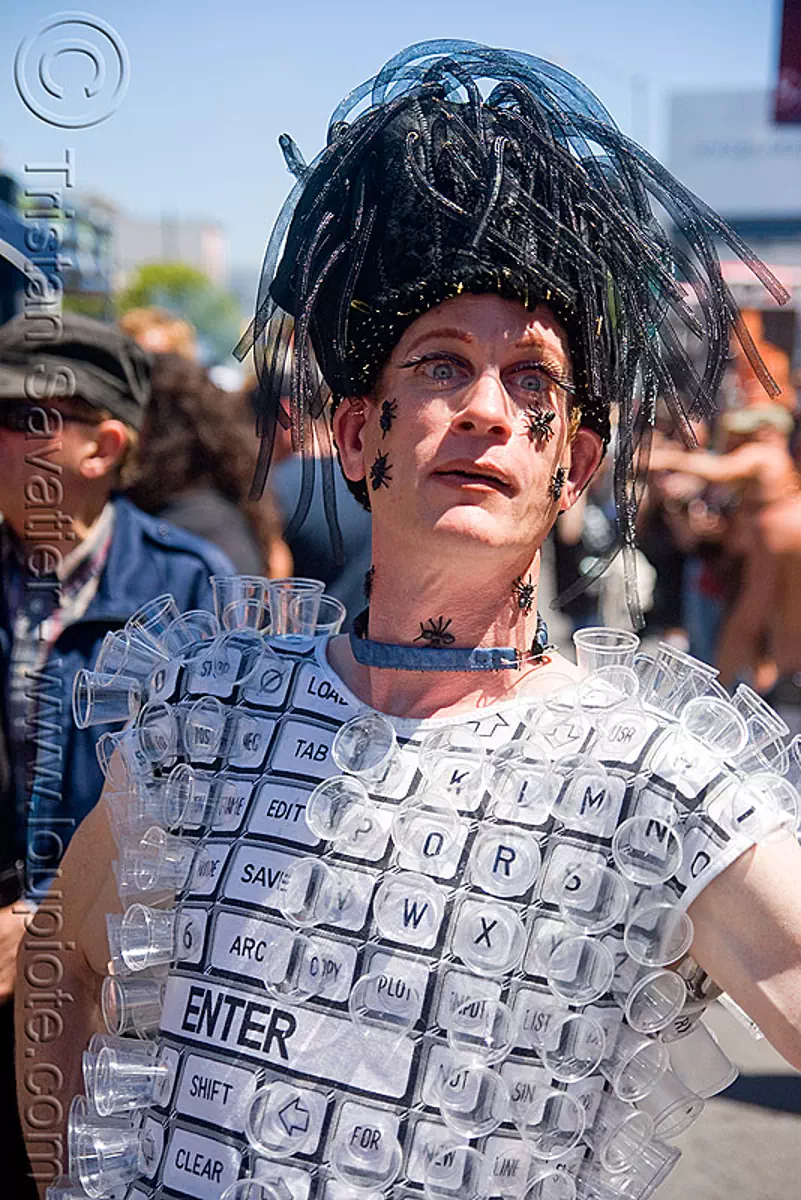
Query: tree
[188,293]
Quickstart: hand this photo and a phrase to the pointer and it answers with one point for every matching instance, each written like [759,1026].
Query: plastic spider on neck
[436,633]
[524,592]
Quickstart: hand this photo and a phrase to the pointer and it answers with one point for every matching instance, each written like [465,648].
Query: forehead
[488,323]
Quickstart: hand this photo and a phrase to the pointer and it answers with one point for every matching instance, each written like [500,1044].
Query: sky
[212,85]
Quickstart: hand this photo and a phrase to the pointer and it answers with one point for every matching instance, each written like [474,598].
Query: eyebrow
[456,335]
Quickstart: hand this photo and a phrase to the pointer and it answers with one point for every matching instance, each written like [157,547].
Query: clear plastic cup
[549,1183]
[581,795]
[571,1046]
[99,699]
[601,647]
[452,761]
[231,589]
[647,850]
[764,806]
[150,622]
[458,1172]
[266,1126]
[618,1134]
[202,724]
[121,653]
[482,1030]
[648,1172]
[83,1118]
[551,1123]
[474,1101]
[107,1159]
[651,997]
[157,733]
[246,614]
[672,1106]
[376,1000]
[125,1081]
[296,977]
[425,829]
[336,807]
[366,746]
[363,1164]
[673,678]
[132,1006]
[579,969]
[608,690]
[65,1188]
[331,616]
[633,1063]
[294,606]
[164,862]
[520,781]
[657,932]
[309,893]
[147,937]
[592,898]
[716,724]
[765,726]
[191,627]
[257,1189]
[700,1062]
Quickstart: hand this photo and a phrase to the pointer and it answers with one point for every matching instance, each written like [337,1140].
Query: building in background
[169,238]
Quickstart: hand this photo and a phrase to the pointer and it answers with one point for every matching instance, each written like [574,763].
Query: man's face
[450,446]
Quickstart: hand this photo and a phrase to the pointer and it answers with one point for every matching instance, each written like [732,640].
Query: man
[474,288]
[76,560]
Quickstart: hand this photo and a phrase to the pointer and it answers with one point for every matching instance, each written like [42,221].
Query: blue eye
[442,371]
[531,381]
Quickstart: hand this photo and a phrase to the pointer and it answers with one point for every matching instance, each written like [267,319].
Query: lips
[473,474]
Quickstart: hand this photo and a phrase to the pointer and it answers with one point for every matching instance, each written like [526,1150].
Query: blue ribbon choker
[393,657]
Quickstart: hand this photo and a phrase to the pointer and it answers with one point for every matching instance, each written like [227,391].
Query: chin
[474,526]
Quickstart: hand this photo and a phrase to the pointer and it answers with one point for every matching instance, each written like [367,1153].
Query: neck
[482,609]
[64,526]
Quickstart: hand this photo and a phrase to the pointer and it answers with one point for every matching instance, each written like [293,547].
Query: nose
[485,409]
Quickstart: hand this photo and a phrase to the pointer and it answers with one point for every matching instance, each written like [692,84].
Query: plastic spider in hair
[389,411]
[557,483]
[524,593]
[380,473]
[436,633]
[539,423]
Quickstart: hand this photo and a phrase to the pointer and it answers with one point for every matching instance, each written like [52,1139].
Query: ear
[350,419]
[586,452]
[104,449]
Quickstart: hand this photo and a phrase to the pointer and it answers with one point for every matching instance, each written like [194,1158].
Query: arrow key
[282,1120]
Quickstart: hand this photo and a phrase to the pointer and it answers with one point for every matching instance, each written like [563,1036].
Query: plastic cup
[474,1101]
[646,850]
[579,969]
[83,1118]
[765,806]
[107,1159]
[672,1106]
[121,653]
[700,1063]
[157,733]
[549,1184]
[633,1063]
[716,724]
[309,893]
[551,1124]
[482,1031]
[125,1081]
[150,622]
[164,862]
[191,627]
[294,606]
[266,1127]
[651,997]
[571,1047]
[520,781]
[366,746]
[592,898]
[231,589]
[607,690]
[132,1005]
[618,1134]
[458,1172]
[581,794]
[98,699]
[598,646]
[246,614]
[297,977]
[336,807]
[202,724]
[330,616]
[377,1001]
[452,761]
[657,932]
[256,1189]
[147,937]
[364,1164]
[673,678]
[765,727]
[426,829]
[648,1172]
[65,1188]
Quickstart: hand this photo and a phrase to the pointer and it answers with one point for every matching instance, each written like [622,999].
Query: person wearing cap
[76,559]
[473,264]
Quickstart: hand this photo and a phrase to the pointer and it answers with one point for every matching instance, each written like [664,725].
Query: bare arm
[62,960]
[748,939]
[738,466]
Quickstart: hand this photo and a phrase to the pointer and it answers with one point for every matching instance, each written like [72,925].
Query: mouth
[474,476]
